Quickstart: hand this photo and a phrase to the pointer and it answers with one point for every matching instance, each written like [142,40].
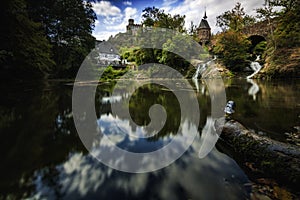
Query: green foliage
[232,45]
[68,25]
[282,50]
[46,36]
[235,19]
[233,48]
[154,17]
[260,48]
[175,42]
[111,74]
[192,31]
[287,33]
[24,47]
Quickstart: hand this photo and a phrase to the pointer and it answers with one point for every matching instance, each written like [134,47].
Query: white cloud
[130,13]
[105,8]
[127,3]
[111,25]
[113,20]
[103,35]
[194,10]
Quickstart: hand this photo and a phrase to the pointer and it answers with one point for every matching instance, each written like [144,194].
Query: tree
[46,36]
[24,48]
[236,19]
[287,32]
[68,25]
[233,48]
[192,31]
[232,45]
[268,13]
[150,16]
[154,17]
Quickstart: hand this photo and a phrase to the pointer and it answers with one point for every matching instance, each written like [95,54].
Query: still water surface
[43,157]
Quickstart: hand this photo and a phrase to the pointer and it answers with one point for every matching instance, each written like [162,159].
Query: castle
[203,30]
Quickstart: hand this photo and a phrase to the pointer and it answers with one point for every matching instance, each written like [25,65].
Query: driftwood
[277,159]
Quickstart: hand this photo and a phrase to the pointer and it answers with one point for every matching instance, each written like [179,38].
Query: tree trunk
[277,159]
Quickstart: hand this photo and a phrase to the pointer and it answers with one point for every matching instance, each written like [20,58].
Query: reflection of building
[133,28]
[203,31]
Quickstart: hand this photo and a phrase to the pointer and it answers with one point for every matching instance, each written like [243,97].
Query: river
[44,158]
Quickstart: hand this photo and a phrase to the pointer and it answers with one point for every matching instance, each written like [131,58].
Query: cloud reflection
[215,177]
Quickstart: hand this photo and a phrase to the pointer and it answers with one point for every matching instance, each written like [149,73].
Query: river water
[44,158]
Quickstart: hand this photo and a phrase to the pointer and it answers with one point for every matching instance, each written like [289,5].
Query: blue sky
[113,15]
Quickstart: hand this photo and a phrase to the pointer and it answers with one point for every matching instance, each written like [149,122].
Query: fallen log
[276,159]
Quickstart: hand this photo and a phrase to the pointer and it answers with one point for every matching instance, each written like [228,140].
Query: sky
[112,16]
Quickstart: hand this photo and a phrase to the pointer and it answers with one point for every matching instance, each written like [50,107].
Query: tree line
[234,48]
[45,37]
[52,37]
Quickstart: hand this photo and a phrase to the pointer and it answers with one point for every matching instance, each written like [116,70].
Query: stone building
[133,28]
[204,31]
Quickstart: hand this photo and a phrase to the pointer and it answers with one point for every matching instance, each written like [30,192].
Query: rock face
[216,70]
[274,158]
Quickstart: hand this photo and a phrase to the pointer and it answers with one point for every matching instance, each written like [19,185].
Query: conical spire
[205,16]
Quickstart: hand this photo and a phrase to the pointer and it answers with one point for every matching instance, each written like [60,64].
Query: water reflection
[43,156]
[254,89]
[209,137]
[275,109]
[80,176]
[203,87]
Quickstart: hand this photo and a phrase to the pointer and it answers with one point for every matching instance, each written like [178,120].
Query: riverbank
[282,63]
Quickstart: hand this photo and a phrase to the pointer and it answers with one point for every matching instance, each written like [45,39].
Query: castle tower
[130,24]
[132,28]
[204,31]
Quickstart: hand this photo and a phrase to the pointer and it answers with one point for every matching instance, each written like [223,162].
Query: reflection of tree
[33,138]
[145,97]
[148,95]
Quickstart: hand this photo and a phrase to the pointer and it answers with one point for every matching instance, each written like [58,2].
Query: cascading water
[255,66]
[202,67]
[200,70]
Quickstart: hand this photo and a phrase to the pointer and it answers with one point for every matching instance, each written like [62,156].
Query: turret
[130,21]
[204,31]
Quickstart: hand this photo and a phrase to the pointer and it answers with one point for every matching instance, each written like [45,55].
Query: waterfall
[255,66]
[202,67]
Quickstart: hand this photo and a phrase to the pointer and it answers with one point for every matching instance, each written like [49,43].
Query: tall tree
[233,48]
[234,19]
[24,48]
[232,45]
[152,16]
[68,25]
[268,13]
[287,32]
